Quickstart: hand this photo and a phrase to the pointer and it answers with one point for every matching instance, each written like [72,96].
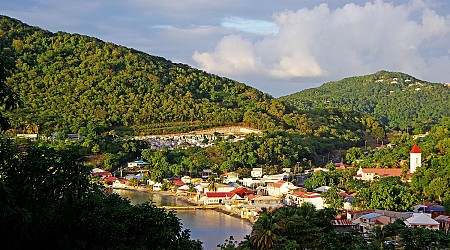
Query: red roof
[252,196]
[415,149]
[384,172]
[111,178]
[242,192]
[219,194]
[277,184]
[178,182]
[306,194]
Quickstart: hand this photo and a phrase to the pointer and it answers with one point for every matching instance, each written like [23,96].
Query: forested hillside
[79,84]
[67,81]
[396,99]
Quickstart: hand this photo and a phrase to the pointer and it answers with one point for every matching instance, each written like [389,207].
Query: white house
[423,220]
[137,164]
[215,198]
[280,187]
[257,172]
[308,197]
[370,174]
[220,188]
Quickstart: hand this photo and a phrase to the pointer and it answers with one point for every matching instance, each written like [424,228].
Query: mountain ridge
[397,99]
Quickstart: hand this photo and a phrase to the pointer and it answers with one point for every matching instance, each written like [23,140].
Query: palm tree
[265,233]
[212,186]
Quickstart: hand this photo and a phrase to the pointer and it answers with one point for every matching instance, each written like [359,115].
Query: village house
[216,198]
[220,188]
[230,177]
[422,220]
[100,172]
[298,198]
[206,173]
[251,183]
[120,183]
[137,164]
[368,221]
[430,208]
[370,174]
[280,188]
[257,173]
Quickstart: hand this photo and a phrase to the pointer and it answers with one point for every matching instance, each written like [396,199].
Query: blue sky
[277,46]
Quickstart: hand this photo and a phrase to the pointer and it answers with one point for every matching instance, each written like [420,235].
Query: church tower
[415,159]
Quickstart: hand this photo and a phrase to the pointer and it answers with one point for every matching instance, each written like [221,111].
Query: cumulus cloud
[233,55]
[325,43]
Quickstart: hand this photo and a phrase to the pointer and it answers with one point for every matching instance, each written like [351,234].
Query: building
[299,198]
[430,208]
[422,220]
[370,174]
[280,187]
[415,159]
[137,164]
[368,221]
[257,173]
[206,173]
[215,198]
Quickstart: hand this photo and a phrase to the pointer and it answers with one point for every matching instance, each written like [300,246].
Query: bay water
[209,226]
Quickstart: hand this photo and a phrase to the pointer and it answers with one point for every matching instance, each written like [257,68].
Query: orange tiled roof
[384,172]
[277,184]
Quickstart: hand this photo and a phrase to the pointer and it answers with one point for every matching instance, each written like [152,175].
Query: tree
[266,232]
[332,198]
[8,99]
[212,184]
[48,200]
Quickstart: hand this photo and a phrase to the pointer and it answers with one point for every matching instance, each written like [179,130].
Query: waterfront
[209,226]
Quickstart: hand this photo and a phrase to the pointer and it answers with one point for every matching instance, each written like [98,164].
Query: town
[247,197]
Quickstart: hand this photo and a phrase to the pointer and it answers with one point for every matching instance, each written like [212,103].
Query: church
[370,174]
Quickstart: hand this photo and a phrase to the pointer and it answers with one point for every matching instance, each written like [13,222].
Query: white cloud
[233,55]
[325,43]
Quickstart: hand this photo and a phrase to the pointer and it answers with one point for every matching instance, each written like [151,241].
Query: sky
[277,46]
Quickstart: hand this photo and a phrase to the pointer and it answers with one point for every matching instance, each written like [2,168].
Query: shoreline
[185,200]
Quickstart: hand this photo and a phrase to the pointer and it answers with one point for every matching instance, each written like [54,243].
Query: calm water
[208,226]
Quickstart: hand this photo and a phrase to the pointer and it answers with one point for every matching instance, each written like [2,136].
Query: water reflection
[208,226]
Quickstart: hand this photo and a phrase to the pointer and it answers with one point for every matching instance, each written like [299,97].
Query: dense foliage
[48,202]
[73,83]
[67,80]
[307,228]
[8,99]
[430,182]
[398,100]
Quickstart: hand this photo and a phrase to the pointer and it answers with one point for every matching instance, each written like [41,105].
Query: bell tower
[415,159]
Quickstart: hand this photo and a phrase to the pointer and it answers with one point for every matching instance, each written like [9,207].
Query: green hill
[74,83]
[71,82]
[396,99]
